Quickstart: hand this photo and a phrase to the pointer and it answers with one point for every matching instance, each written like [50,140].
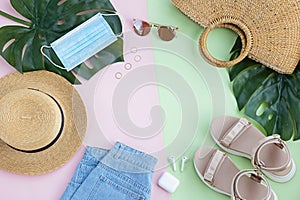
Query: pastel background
[179,97]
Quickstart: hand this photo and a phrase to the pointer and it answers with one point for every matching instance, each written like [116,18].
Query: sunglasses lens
[141,28]
[166,33]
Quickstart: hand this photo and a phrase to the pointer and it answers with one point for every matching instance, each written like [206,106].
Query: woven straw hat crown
[269,29]
[42,122]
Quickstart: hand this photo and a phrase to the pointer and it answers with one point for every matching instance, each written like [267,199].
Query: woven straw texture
[43,122]
[269,29]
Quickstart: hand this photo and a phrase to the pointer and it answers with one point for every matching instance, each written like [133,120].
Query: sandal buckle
[210,182]
[259,164]
[245,122]
[280,143]
[257,177]
[237,198]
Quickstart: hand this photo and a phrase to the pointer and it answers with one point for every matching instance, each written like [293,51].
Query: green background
[219,43]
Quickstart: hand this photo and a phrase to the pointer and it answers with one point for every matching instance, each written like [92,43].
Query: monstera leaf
[271,99]
[47,20]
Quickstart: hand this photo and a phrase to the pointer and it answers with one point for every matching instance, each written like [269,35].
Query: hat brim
[73,132]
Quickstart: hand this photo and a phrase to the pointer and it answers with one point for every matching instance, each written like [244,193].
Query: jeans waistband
[94,154]
[125,158]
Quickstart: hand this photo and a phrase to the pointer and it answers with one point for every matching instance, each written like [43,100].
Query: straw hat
[269,29]
[42,122]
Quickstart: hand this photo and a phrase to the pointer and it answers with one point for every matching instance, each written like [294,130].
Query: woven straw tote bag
[269,29]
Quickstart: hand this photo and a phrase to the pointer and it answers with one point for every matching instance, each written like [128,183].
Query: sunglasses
[143,28]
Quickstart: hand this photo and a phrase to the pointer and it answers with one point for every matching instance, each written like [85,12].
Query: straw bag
[269,29]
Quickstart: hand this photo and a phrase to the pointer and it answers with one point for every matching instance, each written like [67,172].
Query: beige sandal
[269,154]
[218,172]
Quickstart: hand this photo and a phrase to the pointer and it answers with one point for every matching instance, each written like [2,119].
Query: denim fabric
[121,173]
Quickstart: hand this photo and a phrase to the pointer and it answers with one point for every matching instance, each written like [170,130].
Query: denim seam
[82,168]
[93,191]
[121,188]
[125,178]
[136,163]
[90,157]
[90,160]
[74,184]
[133,156]
[118,153]
[77,172]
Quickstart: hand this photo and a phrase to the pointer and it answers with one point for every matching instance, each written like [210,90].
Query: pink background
[51,186]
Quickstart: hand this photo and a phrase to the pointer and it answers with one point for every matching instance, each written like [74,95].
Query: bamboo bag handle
[237,27]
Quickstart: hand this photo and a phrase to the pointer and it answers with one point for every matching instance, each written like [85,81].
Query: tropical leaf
[271,99]
[46,21]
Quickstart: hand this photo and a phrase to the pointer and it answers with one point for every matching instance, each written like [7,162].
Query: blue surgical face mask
[83,42]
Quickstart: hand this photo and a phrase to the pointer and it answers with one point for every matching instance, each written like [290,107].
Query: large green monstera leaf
[271,99]
[47,20]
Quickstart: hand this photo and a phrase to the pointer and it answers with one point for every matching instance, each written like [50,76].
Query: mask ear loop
[119,35]
[48,58]
[113,13]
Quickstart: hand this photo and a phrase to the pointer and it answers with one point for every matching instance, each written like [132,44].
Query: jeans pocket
[108,187]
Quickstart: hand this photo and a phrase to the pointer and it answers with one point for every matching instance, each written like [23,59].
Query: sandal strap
[215,162]
[235,131]
[274,139]
[255,175]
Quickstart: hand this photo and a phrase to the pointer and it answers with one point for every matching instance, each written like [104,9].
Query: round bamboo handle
[237,27]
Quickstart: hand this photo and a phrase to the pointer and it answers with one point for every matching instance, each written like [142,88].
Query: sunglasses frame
[159,27]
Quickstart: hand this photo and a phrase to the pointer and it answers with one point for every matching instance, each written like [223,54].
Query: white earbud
[184,160]
[172,160]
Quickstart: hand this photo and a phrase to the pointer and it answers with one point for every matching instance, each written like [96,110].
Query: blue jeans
[121,173]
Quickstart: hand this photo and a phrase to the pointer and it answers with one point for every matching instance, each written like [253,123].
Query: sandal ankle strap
[255,175]
[274,139]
